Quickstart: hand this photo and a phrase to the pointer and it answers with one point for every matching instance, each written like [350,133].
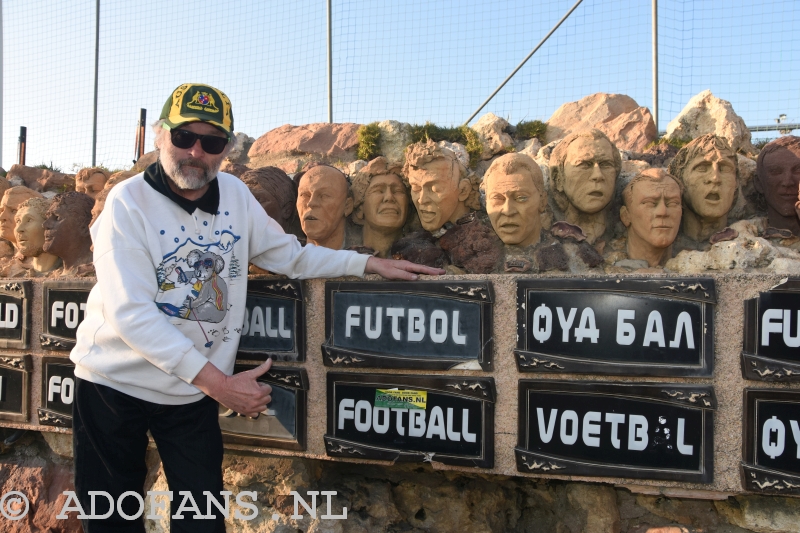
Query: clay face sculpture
[585,166]
[12,199]
[381,204]
[277,194]
[515,199]
[323,203]
[778,179]
[66,229]
[440,188]
[30,234]
[652,214]
[708,169]
[91,181]
[100,199]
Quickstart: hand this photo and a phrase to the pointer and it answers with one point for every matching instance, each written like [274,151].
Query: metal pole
[330,66]
[140,131]
[524,61]
[23,142]
[1,83]
[655,62]
[96,74]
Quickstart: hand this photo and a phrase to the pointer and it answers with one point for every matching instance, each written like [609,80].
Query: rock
[233,168]
[419,247]
[632,264]
[395,136]
[726,234]
[517,264]
[564,230]
[552,257]
[473,246]
[588,254]
[744,252]
[241,146]
[491,131]
[145,161]
[659,155]
[749,201]
[16,181]
[458,149]
[785,265]
[355,166]
[629,126]
[600,504]
[42,179]
[529,147]
[290,147]
[762,514]
[705,113]
[60,443]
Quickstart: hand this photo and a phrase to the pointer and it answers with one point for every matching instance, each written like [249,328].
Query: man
[515,199]
[66,231]
[778,179]
[142,357]
[29,234]
[90,181]
[441,189]
[324,202]
[708,169]
[652,214]
[584,167]
[12,199]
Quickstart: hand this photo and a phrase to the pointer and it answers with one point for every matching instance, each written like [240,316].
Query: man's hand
[240,392]
[393,269]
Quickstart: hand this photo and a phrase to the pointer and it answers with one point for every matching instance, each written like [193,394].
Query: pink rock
[629,126]
[319,141]
[40,179]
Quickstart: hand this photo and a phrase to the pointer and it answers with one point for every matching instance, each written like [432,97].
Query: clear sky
[413,61]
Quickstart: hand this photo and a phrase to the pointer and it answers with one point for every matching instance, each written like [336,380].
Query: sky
[412,61]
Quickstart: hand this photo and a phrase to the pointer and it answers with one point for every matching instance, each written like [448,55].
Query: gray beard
[185,174]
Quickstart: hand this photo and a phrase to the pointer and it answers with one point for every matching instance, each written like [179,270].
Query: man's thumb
[262,369]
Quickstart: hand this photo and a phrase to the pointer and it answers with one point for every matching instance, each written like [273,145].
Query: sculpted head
[381,200]
[11,201]
[652,213]
[515,198]
[708,170]
[441,189]
[100,198]
[584,167]
[778,179]
[91,181]
[276,192]
[28,228]
[324,202]
[66,226]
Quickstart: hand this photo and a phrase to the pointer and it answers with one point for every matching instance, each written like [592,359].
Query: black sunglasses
[211,143]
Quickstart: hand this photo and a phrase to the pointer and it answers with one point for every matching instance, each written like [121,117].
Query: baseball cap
[195,102]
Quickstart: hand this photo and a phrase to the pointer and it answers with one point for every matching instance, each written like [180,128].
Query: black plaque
[771,441]
[63,310]
[58,392]
[628,327]
[15,314]
[647,431]
[15,385]
[274,322]
[433,325]
[455,425]
[771,348]
[283,425]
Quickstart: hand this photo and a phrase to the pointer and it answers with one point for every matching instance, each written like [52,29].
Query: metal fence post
[23,142]
[655,63]
[96,74]
[330,65]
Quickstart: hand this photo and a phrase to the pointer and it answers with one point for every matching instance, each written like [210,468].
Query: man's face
[8,210]
[59,230]
[385,202]
[781,180]
[655,212]
[434,191]
[29,232]
[513,204]
[190,168]
[589,174]
[321,202]
[91,185]
[710,181]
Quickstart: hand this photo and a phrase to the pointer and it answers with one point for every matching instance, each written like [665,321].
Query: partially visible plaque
[274,322]
[771,348]
[58,392]
[15,314]
[422,325]
[628,327]
[411,418]
[283,424]
[64,308]
[771,441]
[647,431]
[15,385]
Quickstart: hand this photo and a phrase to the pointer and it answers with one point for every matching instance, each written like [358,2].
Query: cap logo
[203,101]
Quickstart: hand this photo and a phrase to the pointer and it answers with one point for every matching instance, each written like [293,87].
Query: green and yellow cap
[195,102]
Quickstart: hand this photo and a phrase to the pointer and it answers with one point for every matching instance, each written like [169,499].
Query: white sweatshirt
[171,287]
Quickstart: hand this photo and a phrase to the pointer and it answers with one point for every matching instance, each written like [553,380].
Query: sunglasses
[211,143]
[208,263]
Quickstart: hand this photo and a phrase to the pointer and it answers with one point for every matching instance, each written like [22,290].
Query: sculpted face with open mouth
[710,181]
[434,191]
[323,204]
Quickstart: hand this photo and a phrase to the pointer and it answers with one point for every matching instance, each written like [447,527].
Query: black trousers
[109,446]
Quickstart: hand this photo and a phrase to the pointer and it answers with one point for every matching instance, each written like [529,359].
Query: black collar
[155,176]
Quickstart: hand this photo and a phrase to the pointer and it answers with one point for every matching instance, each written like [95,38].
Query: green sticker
[401,399]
